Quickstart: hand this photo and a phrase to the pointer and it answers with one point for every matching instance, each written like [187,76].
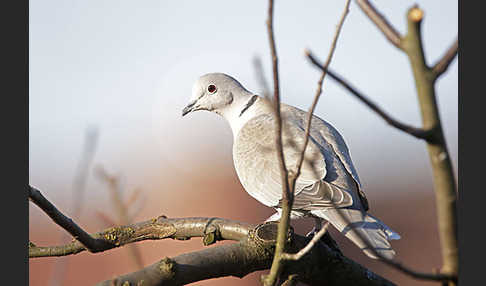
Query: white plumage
[328,187]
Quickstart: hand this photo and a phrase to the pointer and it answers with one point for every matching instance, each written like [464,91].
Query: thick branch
[211,229]
[445,185]
[416,132]
[443,64]
[255,251]
[321,265]
[380,21]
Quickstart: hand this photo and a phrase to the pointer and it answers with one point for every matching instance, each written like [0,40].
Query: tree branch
[444,181]
[310,113]
[90,243]
[432,136]
[315,239]
[287,193]
[252,254]
[445,187]
[211,229]
[380,21]
[254,251]
[291,179]
[416,132]
[443,64]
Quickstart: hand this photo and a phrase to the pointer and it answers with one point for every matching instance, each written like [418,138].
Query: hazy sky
[128,67]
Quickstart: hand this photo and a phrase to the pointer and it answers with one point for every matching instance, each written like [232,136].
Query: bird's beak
[189,108]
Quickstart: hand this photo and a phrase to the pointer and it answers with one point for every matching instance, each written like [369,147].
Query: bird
[328,187]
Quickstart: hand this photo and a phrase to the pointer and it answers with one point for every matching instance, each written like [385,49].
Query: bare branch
[254,251]
[444,180]
[412,46]
[287,193]
[252,254]
[290,281]
[90,243]
[443,64]
[416,132]
[310,113]
[399,266]
[211,229]
[380,21]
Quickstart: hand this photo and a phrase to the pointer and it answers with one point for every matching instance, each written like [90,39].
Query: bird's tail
[358,225]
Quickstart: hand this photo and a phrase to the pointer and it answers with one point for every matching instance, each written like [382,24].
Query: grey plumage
[328,186]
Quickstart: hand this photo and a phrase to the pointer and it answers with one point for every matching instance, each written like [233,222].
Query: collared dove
[328,186]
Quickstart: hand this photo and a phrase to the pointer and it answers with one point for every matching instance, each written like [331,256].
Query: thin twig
[416,132]
[380,21]
[309,246]
[308,128]
[443,64]
[287,202]
[310,113]
[90,243]
[290,281]
[397,265]
[287,194]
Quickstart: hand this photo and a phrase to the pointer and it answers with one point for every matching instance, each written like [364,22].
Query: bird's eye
[211,88]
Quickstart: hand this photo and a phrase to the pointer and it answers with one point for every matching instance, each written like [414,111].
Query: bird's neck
[240,111]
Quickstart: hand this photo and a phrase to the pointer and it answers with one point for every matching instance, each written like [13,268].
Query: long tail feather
[357,224]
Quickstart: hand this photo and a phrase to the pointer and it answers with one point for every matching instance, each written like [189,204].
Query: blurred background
[108,145]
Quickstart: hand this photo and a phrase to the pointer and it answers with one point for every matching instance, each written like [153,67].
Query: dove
[328,187]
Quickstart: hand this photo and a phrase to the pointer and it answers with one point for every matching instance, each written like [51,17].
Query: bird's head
[216,92]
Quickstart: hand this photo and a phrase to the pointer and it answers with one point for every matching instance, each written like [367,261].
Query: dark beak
[189,108]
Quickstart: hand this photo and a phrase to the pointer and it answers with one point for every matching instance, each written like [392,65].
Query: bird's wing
[258,167]
[328,138]
[257,163]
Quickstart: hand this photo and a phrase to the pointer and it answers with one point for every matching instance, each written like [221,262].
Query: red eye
[211,88]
